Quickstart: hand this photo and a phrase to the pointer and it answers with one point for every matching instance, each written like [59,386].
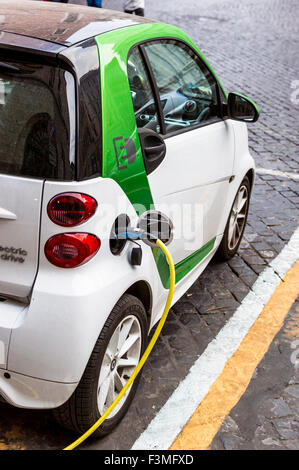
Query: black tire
[225,252]
[81,411]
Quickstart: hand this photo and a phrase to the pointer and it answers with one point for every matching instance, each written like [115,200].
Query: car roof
[60,23]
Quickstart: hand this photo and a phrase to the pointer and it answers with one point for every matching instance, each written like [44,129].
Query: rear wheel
[114,358]
[236,223]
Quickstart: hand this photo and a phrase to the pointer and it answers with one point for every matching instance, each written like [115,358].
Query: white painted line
[283,174]
[176,412]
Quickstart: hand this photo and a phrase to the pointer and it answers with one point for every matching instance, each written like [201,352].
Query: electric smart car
[105,120]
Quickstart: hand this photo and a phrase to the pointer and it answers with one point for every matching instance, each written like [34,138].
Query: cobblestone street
[266,417]
[253,47]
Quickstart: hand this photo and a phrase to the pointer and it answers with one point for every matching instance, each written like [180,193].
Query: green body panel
[183,267]
[119,124]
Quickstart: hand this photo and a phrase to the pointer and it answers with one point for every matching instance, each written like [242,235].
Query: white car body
[50,318]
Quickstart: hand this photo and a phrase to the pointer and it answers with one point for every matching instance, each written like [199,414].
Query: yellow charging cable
[144,357]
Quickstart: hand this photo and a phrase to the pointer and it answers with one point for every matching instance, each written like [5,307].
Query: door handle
[154,151]
[153,148]
[4,214]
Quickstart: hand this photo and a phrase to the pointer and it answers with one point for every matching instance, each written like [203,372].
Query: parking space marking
[227,390]
[283,174]
[173,416]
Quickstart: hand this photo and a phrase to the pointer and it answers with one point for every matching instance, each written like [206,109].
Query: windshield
[37,120]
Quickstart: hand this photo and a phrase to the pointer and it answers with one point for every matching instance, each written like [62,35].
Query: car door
[190,184]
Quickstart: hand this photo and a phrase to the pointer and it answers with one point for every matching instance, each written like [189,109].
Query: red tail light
[68,250]
[70,209]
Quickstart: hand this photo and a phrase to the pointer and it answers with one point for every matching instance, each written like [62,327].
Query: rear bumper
[28,392]
[11,313]
[21,390]
[45,346]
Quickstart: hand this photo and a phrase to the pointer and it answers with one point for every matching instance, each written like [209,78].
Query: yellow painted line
[231,384]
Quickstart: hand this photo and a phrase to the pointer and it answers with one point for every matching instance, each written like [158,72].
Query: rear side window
[37,121]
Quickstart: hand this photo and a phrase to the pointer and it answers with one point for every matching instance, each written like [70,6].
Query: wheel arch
[143,291]
[251,176]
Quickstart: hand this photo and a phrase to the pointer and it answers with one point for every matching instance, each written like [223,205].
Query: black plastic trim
[88,137]
[230,102]
[153,149]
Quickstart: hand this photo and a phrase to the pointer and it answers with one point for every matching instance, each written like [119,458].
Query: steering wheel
[204,114]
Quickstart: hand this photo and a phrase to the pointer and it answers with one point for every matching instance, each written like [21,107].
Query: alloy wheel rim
[237,218]
[120,360]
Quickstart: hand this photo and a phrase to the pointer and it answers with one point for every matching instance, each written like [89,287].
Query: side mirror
[242,108]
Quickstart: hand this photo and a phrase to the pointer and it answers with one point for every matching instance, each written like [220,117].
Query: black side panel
[84,60]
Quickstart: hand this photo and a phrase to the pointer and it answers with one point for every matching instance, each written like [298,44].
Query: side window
[188,91]
[142,96]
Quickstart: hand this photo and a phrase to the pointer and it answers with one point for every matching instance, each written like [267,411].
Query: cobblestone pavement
[267,416]
[253,47]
